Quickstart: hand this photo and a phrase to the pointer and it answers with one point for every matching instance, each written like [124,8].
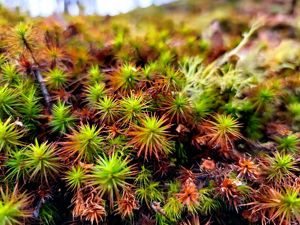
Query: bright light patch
[102,7]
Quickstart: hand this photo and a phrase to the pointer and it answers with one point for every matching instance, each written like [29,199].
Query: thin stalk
[39,78]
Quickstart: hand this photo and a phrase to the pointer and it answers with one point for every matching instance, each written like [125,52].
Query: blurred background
[75,7]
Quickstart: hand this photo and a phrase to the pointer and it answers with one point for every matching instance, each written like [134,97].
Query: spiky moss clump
[201,108]
[132,107]
[226,125]
[151,137]
[13,207]
[16,166]
[48,214]
[265,99]
[30,108]
[111,175]
[150,70]
[42,161]
[178,107]
[22,38]
[56,79]
[94,93]
[125,78]
[173,208]
[10,135]
[108,109]
[289,143]
[208,203]
[294,109]
[75,177]
[280,166]
[126,205]
[62,119]
[143,177]
[8,102]
[222,132]
[84,143]
[173,79]
[278,205]
[149,193]
[95,75]
[148,190]
[10,73]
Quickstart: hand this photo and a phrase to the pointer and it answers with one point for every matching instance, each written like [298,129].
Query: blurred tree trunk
[293,6]
[66,6]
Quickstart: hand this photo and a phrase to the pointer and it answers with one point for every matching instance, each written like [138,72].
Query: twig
[215,65]
[36,211]
[269,146]
[37,75]
[256,25]
[105,70]
[39,78]
[157,208]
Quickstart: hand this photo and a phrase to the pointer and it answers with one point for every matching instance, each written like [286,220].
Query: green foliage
[165,58]
[263,99]
[75,177]
[197,77]
[56,78]
[42,162]
[10,73]
[173,208]
[179,107]
[201,107]
[3,59]
[143,177]
[254,127]
[289,143]
[94,93]
[48,214]
[85,142]
[111,175]
[132,107]
[94,75]
[173,79]
[279,205]
[10,135]
[126,78]
[62,119]
[108,109]
[149,193]
[8,102]
[151,137]
[150,70]
[120,109]
[280,166]
[13,208]
[147,190]
[174,187]
[30,108]
[208,204]
[234,80]
[294,109]
[16,166]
